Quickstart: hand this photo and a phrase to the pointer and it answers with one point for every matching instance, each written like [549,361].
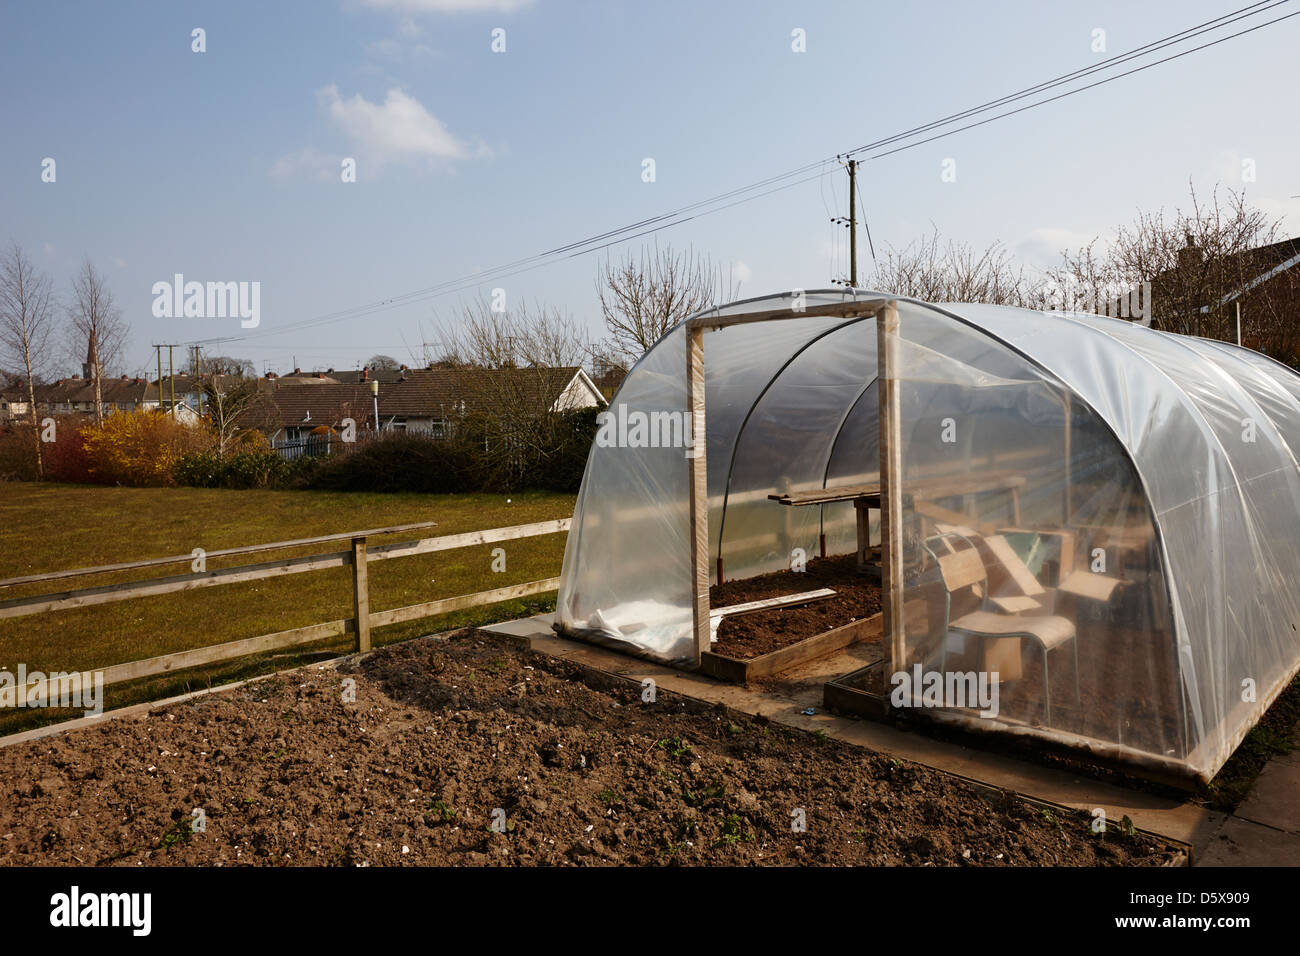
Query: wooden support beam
[891,483]
[361,594]
[699,491]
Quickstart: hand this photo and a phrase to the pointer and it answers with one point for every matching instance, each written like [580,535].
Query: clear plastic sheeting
[1099,517]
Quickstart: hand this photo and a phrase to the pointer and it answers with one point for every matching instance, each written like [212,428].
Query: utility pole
[198,379]
[171,373]
[852,223]
[1238,323]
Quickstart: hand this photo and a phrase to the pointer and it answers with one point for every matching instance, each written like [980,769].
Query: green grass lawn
[49,527]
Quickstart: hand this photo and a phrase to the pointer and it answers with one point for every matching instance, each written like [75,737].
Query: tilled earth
[422,752]
[749,635]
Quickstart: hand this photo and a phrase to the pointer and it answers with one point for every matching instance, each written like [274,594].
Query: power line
[677,217]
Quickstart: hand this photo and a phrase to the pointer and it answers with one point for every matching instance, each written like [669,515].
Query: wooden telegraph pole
[853,224]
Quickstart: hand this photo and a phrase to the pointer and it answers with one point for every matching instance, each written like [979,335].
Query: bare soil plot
[749,635]
[443,733]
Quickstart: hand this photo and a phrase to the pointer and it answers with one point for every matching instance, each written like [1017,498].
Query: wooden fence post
[360,594]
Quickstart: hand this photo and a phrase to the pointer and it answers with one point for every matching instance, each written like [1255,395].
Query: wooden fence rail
[358,557]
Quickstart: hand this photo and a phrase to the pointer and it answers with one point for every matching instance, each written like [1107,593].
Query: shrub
[245,469]
[17,455]
[65,458]
[139,448]
[396,462]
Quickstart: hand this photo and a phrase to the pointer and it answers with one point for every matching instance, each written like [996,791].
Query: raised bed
[741,671]
[861,693]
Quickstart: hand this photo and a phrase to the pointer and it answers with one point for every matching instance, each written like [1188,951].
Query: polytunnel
[1144,485]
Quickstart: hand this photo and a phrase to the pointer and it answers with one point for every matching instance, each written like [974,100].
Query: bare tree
[383,362]
[512,367]
[1196,261]
[235,404]
[98,323]
[222,365]
[26,324]
[645,295]
[933,270]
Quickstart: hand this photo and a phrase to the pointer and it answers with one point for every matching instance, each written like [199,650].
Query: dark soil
[750,635]
[443,734]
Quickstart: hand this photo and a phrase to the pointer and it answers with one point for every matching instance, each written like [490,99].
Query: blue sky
[224,165]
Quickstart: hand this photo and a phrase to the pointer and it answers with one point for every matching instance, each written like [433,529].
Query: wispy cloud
[307,163]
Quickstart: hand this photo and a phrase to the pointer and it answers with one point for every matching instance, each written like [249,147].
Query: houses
[1205,295]
[427,401]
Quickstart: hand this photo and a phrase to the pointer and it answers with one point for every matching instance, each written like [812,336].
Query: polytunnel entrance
[1023,554]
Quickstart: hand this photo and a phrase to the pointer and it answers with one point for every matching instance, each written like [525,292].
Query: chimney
[329,371]
[297,371]
[365,374]
[1191,255]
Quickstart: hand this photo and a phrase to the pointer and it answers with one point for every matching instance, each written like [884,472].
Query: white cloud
[450,6]
[397,130]
[395,51]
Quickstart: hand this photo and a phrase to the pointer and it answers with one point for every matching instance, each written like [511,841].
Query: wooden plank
[847,310]
[402,549]
[224,552]
[891,483]
[1015,604]
[699,490]
[1010,562]
[110,593]
[961,569]
[414,612]
[230,650]
[784,600]
[819,496]
[361,594]
[1097,587]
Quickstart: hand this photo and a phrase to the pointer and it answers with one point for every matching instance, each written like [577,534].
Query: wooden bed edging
[738,671]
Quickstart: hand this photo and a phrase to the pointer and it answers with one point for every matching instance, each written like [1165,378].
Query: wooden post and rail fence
[359,556]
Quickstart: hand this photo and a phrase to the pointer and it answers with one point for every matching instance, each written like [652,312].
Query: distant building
[427,401]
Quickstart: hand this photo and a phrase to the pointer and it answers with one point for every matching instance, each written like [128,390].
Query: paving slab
[1243,843]
[1274,800]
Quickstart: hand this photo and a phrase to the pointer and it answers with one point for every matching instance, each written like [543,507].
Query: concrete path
[1265,829]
